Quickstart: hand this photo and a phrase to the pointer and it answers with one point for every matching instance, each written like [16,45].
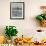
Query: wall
[27,26]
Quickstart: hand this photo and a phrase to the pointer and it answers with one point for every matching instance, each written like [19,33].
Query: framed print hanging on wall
[16,10]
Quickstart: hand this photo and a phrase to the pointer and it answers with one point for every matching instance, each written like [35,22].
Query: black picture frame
[17,10]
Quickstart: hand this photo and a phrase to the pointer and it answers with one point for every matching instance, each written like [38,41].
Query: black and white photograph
[17,10]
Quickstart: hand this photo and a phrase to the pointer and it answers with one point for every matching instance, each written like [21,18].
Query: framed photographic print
[16,10]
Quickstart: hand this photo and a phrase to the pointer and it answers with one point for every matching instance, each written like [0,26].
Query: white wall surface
[27,26]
